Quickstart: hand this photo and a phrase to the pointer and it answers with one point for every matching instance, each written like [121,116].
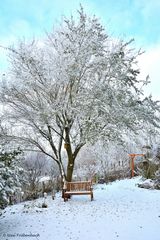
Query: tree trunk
[68,148]
[71,155]
[70,168]
[70,165]
[71,162]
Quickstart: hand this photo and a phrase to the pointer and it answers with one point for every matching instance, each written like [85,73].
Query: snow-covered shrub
[11,175]
[150,165]
[150,170]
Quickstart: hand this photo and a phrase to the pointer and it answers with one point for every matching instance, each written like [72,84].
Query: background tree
[41,176]
[35,166]
[77,86]
[104,161]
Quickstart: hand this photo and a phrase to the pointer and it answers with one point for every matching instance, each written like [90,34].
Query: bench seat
[78,192]
[77,188]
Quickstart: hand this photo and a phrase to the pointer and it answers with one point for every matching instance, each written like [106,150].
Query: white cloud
[149,64]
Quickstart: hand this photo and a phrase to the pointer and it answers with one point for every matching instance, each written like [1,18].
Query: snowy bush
[11,175]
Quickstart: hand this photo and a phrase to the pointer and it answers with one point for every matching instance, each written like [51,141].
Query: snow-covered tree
[11,174]
[77,86]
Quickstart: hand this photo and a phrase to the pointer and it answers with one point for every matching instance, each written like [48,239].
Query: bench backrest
[78,186]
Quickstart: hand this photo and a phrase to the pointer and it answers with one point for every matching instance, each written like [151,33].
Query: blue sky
[138,19]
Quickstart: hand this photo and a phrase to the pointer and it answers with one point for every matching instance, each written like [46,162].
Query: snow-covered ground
[120,211]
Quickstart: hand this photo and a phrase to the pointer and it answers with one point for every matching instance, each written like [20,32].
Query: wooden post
[132,166]
[132,156]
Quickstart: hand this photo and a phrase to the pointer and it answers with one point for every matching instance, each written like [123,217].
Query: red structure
[132,156]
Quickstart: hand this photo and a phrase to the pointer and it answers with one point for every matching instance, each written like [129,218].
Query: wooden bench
[77,188]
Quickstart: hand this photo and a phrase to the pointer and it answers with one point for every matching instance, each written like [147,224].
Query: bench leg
[66,197]
[92,196]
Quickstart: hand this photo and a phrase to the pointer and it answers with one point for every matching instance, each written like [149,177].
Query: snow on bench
[77,188]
